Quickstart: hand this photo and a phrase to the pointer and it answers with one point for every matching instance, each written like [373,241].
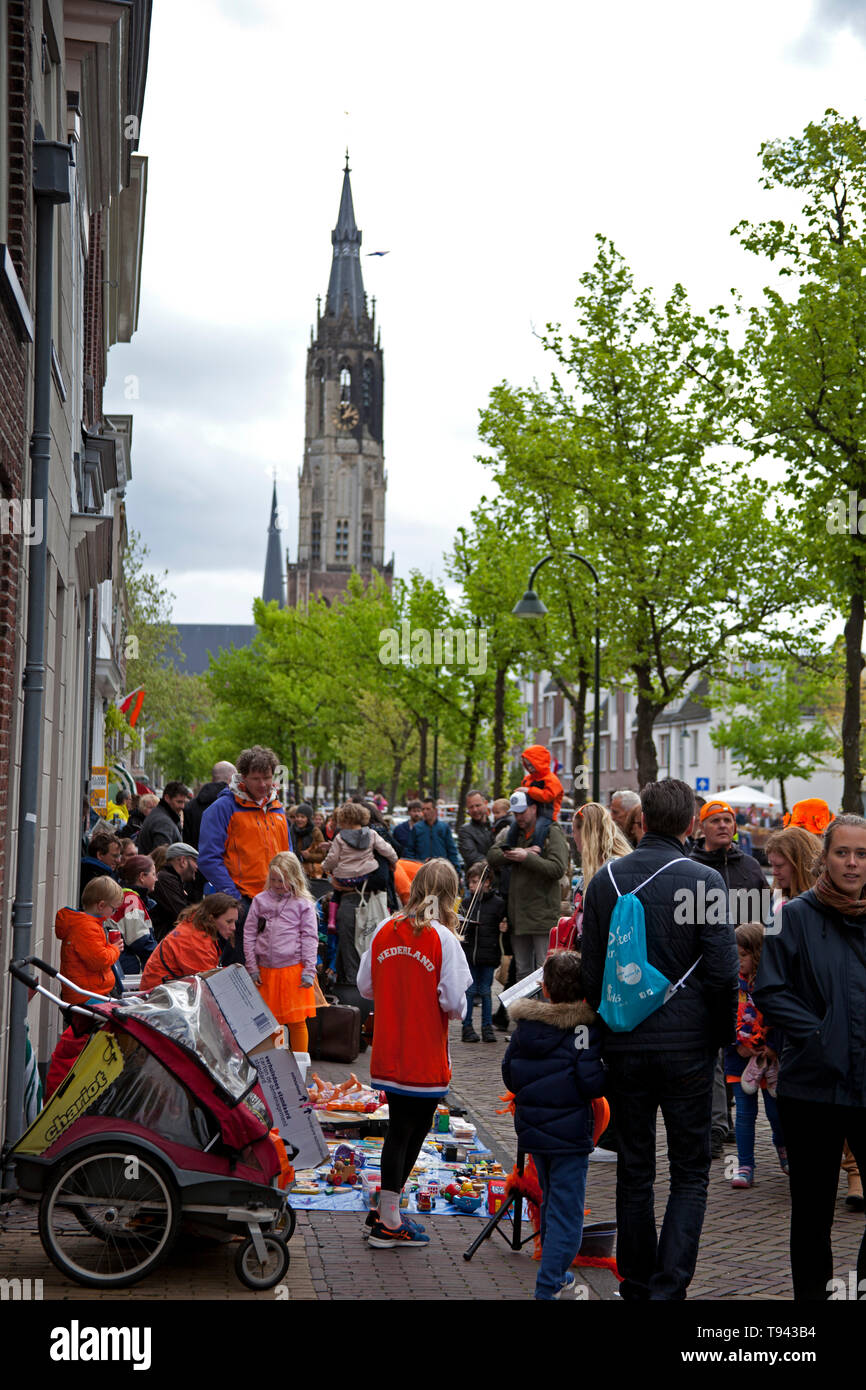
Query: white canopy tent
[744,796]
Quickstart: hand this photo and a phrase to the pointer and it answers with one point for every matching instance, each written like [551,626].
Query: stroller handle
[16,969]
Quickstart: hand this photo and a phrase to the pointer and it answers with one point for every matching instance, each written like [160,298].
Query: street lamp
[530,606]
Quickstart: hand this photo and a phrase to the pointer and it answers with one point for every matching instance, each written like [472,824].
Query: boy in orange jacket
[86,954]
[540,783]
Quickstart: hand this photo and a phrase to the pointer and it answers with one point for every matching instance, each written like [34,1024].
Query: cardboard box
[289,1103]
[242,1007]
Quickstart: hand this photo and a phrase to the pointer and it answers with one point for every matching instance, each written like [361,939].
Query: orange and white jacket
[418,981]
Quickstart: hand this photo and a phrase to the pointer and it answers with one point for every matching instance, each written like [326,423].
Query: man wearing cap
[537,854]
[740,871]
[173,891]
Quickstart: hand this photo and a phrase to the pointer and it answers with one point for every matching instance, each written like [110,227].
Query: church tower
[341,524]
[272,589]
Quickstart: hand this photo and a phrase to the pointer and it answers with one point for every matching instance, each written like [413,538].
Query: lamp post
[530,606]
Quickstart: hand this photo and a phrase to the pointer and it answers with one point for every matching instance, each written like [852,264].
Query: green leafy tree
[623,455]
[774,729]
[802,392]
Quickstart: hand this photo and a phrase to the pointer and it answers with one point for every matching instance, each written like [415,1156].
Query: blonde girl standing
[281,941]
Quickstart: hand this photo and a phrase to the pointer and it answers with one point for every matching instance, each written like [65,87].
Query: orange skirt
[288,1000]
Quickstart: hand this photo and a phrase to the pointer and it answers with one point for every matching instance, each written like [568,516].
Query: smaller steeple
[272,590]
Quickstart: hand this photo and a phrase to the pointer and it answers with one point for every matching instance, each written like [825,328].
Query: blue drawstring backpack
[631,988]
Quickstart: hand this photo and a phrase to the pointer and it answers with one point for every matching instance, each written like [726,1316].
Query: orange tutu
[288,1000]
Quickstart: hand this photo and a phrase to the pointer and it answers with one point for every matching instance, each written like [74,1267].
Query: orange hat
[813,815]
[715,808]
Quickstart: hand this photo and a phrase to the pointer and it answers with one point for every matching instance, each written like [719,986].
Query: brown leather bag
[335,1033]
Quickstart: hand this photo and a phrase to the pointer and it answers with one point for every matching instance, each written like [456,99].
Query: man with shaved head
[221,775]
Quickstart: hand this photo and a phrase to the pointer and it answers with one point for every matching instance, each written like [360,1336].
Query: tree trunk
[316,771]
[784,799]
[499,732]
[580,774]
[469,760]
[396,769]
[647,710]
[295,781]
[852,797]
[423,726]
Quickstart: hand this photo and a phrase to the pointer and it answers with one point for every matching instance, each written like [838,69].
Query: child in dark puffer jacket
[553,1066]
[481,927]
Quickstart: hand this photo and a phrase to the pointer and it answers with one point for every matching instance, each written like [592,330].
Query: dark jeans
[348,959]
[661,1266]
[562,1178]
[482,980]
[409,1121]
[814,1134]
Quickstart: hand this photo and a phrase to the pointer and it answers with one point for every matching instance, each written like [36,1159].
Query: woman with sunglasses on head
[811,983]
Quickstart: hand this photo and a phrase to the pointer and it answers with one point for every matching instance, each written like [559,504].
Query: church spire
[346,284]
[272,590]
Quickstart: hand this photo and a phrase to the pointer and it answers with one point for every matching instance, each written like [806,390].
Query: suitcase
[335,1033]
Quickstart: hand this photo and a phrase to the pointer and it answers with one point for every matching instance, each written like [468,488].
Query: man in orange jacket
[240,834]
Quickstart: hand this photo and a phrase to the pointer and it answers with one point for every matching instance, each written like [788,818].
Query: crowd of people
[763,998]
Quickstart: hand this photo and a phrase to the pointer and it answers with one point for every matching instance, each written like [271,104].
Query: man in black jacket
[667,1061]
[163,825]
[749,896]
[222,774]
[174,889]
[475,837]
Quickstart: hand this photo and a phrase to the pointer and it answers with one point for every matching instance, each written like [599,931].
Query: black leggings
[814,1134]
[409,1121]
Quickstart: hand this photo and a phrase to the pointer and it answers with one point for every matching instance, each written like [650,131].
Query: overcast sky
[488,142]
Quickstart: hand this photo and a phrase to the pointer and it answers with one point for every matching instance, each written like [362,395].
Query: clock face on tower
[346,417]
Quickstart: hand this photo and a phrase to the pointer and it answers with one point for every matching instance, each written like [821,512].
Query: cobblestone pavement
[743,1252]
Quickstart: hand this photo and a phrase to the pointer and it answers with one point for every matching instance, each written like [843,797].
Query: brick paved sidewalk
[743,1254]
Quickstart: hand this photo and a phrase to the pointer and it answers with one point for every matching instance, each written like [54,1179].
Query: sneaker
[470,1035]
[783,1160]
[488,1034]
[602,1156]
[383,1238]
[372,1218]
[751,1077]
[567,1287]
[772,1076]
[744,1177]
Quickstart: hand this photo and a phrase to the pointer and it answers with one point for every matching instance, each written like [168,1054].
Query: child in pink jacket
[351,859]
[281,941]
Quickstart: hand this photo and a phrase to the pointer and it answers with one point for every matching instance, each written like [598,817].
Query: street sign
[702,784]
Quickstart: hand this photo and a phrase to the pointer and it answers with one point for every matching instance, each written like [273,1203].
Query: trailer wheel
[109,1215]
[252,1272]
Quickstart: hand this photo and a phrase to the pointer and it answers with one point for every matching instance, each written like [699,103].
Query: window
[602,758]
[626,754]
[345,385]
[367,393]
[342,546]
[367,540]
[693,748]
[664,750]
[316,538]
[720,754]
[613,755]
[320,374]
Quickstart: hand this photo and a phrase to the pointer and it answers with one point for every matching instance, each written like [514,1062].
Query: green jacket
[534,899]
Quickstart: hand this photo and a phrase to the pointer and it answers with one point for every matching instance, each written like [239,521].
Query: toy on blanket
[351,1095]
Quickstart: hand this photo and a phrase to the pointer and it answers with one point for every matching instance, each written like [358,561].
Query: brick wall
[14,357]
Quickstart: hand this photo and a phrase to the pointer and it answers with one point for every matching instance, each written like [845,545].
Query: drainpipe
[51,161]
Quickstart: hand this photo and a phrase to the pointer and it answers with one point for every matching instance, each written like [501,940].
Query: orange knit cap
[715,808]
[813,815]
